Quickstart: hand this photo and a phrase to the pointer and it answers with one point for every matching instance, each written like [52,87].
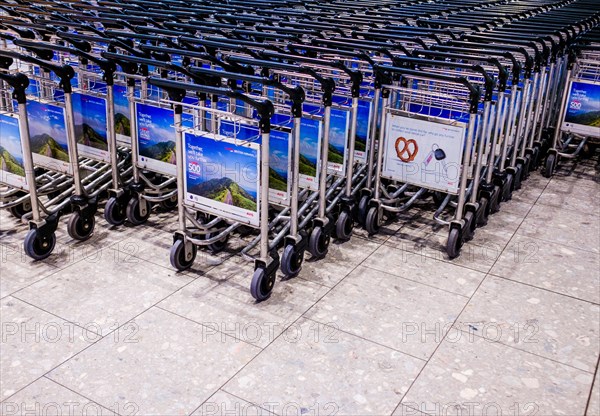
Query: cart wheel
[507,190]
[114,212]
[344,226]
[219,245]
[469,228]
[535,158]
[318,243]
[19,210]
[80,227]
[526,168]
[495,202]
[133,212]
[372,221]
[454,243]
[178,258]
[518,177]
[39,247]
[550,165]
[438,197]
[262,285]
[363,207]
[169,204]
[291,261]
[483,212]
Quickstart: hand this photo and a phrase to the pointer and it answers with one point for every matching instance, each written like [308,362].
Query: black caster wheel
[291,261]
[535,158]
[495,202]
[318,243]
[114,212]
[470,225]
[344,226]
[218,245]
[38,246]
[81,227]
[178,257]
[363,208]
[518,177]
[550,166]
[508,187]
[372,221]
[168,204]
[133,212]
[454,243]
[483,212]
[262,285]
[19,210]
[526,168]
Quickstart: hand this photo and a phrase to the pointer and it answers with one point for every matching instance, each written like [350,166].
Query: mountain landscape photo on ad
[47,130]
[11,153]
[90,121]
[222,172]
[156,133]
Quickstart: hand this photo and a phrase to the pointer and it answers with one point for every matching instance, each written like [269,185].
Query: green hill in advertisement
[276,181]
[45,145]
[307,167]
[226,191]
[9,164]
[122,125]
[86,135]
[334,155]
[590,118]
[163,151]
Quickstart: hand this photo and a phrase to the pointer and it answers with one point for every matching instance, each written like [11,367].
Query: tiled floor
[387,325]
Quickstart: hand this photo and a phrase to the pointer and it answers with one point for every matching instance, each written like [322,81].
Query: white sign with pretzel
[424,151]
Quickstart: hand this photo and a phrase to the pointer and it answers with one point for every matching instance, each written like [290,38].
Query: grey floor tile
[395,312]
[531,189]
[482,378]
[18,270]
[327,371]
[535,320]
[570,195]
[551,266]
[45,397]
[33,342]
[104,292]
[584,174]
[229,307]
[594,404]
[170,366]
[565,226]
[426,270]
[225,404]
[341,259]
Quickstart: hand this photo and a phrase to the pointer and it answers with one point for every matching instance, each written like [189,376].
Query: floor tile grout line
[285,329]
[77,324]
[524,351]
[544,289]
[47,373]
[329,325]
[208,327]
[589,400]
[241,398]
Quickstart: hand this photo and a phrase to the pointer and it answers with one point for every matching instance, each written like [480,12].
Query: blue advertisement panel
[582,114]
[122,119]
[310,152]
[89,114]
[363,129]
[48,136]
[12,168]
[156,137]
[279,155]
[222,177]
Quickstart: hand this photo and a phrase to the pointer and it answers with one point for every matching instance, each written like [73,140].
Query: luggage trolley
[193,147]
[580,101]
[435,110]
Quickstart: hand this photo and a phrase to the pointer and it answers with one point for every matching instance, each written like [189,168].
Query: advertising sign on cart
[156,137]
[363,131]
[48,136]
[424,152]
[310,152]
[12,168]
[279,156]
[122,121]
[89,113]
[222,176]
[582,114]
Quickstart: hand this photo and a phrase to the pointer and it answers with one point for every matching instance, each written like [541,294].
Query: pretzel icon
[406,154]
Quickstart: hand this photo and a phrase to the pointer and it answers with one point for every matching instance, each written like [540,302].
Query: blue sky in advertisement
[91,111]
[10,138]
[47,119]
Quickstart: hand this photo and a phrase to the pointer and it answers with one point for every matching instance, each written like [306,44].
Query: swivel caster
[218,245]
[135,214]
[262,284]
[483,212]
[344,226]
[180,259]
[550,165]
[318,243]
[21,209]
[454,243]
[38,245]
[372,224]
[291,260]
[115,212]
[168,204]
[495,201]
[80,227]
[363,208]
[468,230]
